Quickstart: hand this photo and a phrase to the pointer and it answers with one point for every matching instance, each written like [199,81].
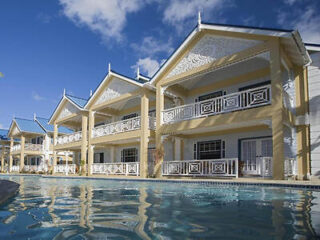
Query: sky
[47,46]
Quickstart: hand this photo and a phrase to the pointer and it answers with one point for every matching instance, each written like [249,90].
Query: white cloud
[180,10]
[150,46]
[290,2]
[105,17]
[306,20]
[37,97]
[1,125]
[147,65]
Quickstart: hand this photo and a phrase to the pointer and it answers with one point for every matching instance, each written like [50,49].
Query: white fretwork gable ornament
[209,49]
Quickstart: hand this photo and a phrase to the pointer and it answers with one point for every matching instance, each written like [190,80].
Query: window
[129,155]
[152,113]
[261,84]
[209,96]
[209,150]
[99,158]
[133,115]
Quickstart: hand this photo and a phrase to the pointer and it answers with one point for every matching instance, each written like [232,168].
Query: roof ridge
[31,120]
[68,95]
[42,118]
[248,26]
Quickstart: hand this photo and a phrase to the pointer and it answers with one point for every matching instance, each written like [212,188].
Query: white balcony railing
[290,167]
[66,169]
[69,138]
[35,168]
[227,167]
[28,147]
[129,168]
[266,166]
[121,126]
[232,102]
[15,168]
[16,148]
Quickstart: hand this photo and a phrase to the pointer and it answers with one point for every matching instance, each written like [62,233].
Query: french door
[252,151]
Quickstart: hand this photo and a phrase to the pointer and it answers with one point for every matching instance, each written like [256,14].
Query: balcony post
[159,144]
[10,155]
[2,157]
[277,115]
[303,131]
[23,140]
[144,135]
[84,138]
[55,135]
[90,146]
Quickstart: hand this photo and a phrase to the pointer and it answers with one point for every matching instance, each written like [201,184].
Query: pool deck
[7,190]
[313,184]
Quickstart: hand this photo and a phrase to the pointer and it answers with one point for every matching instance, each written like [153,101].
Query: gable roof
[29,126]
[111,73]
[293,35]
[43,122]
[81,102]
[4,134]
[76,101]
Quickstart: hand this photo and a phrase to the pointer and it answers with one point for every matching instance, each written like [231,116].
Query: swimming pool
[108,209]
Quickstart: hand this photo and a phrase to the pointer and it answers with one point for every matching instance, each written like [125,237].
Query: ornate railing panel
[62,168]
[232,102]
[69,138]
[290,167]
[35,168]
[15,168]
[132,168]
[33,147]
[16,148]
[266,166]
[227,167]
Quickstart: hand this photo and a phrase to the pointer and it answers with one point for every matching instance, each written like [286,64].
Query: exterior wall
[314,112]
[230,89]
[231,147]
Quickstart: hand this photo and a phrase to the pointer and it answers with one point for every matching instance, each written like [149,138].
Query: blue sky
[46,46]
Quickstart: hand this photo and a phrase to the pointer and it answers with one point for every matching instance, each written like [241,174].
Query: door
[252,153]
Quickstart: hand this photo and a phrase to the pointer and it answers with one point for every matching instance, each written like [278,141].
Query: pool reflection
[80,209]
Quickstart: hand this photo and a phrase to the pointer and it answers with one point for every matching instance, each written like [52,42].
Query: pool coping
[236,182]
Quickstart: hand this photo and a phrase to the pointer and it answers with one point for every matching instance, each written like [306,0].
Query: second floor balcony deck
[241,100]
[122,126]
[69,138]
[30,147]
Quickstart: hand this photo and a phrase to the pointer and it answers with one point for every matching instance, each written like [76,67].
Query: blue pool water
[105,209]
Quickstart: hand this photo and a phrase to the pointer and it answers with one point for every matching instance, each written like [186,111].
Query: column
[144,138]
[2,157]
[66,159]
[23,139]
[55,136]
[84,139]
[90,146]
[277,114]
[159,144]
[303,138]
[10,155]
[112,153]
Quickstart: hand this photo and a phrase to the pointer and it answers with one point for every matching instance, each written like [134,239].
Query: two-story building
[34,151]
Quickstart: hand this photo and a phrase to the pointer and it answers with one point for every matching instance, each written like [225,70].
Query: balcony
[119,168]
[28,147]
[227,167]
[121,126]
[69,138]
[251,98]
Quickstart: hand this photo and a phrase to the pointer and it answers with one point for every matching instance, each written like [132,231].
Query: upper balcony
[254,97]
[121,126]
[69,138]
[28,147]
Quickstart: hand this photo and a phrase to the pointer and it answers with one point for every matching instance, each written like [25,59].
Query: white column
[66,156]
